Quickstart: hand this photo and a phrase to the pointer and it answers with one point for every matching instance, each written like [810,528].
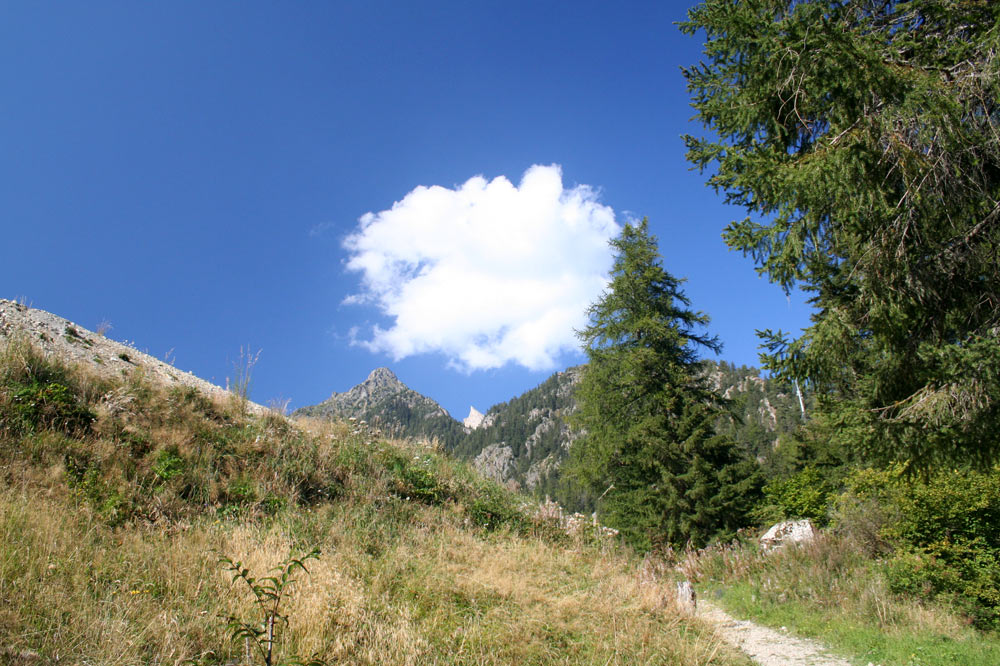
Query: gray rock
[495,462]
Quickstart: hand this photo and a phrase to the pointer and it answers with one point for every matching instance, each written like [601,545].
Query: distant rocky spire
[474,419]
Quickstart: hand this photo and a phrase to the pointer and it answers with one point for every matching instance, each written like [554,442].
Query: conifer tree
[863,139]
[649,449]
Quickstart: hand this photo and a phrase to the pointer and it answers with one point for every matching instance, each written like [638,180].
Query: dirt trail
[766,646]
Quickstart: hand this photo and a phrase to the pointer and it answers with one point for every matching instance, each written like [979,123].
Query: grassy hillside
[118,498]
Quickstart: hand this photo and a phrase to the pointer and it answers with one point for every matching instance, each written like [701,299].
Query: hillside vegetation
[120,496]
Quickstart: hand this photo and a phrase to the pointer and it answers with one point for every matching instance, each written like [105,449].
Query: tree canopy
[863,139]
[649,449]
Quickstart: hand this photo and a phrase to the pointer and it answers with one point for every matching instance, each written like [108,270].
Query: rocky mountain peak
[383,378]
[383,398]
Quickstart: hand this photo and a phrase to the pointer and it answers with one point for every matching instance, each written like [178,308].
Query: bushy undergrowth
[941,534]
[804,494]
[111,528]
[38,394]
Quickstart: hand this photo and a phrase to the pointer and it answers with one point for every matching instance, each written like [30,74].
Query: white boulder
[784,533]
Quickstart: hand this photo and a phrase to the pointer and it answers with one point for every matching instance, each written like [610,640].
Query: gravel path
[766,646]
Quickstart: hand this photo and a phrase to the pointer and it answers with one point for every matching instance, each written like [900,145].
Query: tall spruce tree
[863,139]
[649,449]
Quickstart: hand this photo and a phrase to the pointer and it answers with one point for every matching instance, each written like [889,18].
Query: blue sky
[345,185]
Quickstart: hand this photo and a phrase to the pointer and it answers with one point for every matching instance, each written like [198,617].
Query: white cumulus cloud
[487,273]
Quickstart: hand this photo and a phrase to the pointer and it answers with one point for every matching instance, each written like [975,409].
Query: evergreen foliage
[650,449]
[863,139]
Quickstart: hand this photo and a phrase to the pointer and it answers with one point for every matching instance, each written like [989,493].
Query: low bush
[48,405]
[944,532]
[494,507]
[415,478]
[805,494]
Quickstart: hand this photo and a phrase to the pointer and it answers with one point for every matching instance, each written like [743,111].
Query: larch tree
[649,449]
[862,137]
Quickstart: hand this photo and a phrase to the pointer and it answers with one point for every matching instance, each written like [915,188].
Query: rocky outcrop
[495,462]
[766,412]
[474,419]
[539,471]
[72,343]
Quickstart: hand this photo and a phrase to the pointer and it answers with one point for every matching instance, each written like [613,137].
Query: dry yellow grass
[77,590]
[110,541]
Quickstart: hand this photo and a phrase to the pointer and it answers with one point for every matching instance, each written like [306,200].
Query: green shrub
[241,492]
[273,504]
[414,479]
[85,477]
[805,494]
[169,464]
[945,534]
[493,508]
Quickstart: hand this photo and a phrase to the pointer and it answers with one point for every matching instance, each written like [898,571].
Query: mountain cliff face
[522,442]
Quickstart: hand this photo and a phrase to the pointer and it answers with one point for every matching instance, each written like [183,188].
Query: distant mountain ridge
[520,442]
[523,442]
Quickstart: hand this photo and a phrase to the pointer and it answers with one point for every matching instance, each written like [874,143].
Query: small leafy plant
[49,405]
[262,634]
